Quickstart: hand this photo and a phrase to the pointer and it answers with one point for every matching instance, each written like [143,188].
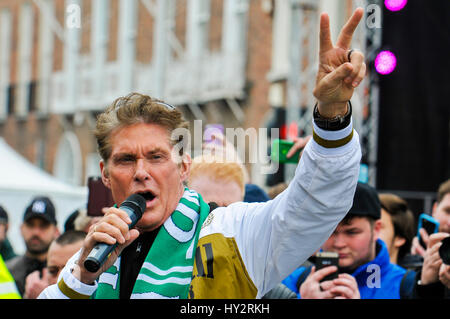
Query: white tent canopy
[20,181]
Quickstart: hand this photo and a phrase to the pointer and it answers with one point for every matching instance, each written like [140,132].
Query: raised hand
[339,72]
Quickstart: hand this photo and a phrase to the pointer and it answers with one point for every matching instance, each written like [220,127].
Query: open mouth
[149,196]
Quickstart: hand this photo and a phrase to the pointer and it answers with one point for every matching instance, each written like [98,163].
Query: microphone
[134,206]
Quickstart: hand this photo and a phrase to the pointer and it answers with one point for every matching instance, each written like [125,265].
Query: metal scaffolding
[303,67]
[369,39]
[303,62]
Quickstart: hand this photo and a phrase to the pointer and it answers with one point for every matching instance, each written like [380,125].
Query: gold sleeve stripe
[69,292]
[332,144]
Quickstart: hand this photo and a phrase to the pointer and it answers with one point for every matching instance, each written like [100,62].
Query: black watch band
[335,124]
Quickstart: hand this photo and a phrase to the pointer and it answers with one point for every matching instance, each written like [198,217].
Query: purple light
[385,62]
[395,5]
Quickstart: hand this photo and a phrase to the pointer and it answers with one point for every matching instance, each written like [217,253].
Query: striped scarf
[167,269]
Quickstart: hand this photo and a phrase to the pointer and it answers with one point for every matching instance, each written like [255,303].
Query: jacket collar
[381,260]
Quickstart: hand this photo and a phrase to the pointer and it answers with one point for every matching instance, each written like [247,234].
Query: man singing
[179,249]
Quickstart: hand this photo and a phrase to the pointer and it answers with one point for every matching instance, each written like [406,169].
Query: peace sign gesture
[340,70]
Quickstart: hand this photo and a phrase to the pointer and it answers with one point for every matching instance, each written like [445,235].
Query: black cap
[366,202]
[41,207]
[3,215]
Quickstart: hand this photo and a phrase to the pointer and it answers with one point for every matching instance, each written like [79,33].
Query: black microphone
[134,206]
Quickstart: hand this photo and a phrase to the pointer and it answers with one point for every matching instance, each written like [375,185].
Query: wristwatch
[336,123]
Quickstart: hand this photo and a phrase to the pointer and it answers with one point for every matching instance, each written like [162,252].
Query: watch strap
[334,124]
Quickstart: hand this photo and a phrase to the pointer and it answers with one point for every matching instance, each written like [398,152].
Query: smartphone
[325,259]
[430,225]
[99,196]
[279,150]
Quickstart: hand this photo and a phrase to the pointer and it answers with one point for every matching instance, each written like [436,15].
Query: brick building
[221,61]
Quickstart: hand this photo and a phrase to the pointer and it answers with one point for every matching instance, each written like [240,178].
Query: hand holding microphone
[108,238]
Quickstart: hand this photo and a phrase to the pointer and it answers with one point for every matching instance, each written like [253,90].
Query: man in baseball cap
[41,207]
[39,229]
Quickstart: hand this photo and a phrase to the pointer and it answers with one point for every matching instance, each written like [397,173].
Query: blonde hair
[217,169]
[132,109]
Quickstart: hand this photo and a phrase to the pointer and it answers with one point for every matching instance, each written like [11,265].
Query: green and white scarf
[167,269]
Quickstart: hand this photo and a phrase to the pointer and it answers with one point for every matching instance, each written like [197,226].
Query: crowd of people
[379,253]
[207,232]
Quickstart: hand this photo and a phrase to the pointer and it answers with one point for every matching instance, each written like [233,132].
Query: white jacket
[246,249]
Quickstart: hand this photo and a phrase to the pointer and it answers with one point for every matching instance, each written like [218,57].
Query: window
[198,25]
[31,96]
[71,61]
[25,57]
[46,48]
[99,45]
[127,43]
[68,159]
[235,25]
[5,55]
[280,40]
[10,99]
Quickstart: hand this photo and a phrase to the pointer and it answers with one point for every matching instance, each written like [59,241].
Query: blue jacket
[377,279]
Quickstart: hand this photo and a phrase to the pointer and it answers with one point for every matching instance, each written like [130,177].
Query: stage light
[385,62]
[395,5]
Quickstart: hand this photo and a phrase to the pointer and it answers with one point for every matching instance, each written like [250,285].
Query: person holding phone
[364,267]
[433,280]
[429,280]
[181,250]
[441,213]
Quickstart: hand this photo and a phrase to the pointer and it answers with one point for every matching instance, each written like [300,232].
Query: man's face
[221,193]
[38,235]
[441,212]
[354,242]
[57,258]
[141,162]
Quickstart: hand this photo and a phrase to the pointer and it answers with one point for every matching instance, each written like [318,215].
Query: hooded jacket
[377,279]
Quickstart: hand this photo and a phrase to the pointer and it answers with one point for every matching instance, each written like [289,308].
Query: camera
[444,251]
